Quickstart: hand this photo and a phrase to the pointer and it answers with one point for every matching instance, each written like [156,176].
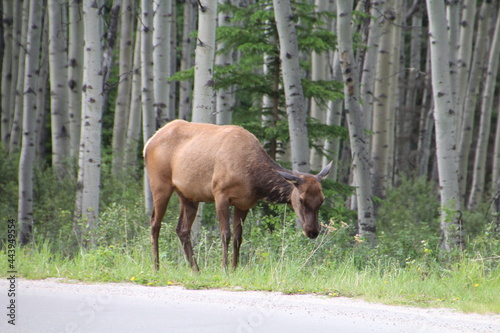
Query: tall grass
[282,260]
[406,267]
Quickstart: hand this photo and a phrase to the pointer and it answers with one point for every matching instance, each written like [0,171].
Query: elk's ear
[324,173]
[296,180]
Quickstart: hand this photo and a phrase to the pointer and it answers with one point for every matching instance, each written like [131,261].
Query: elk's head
[306,198]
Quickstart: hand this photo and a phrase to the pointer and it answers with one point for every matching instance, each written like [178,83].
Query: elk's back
[204,160]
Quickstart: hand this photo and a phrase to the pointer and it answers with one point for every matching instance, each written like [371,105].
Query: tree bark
[294,96]
[58,85]
[318,111]
[359,148]
[334,117]
[134,120]
[225,99]
[464,53]
[6,82]
[75,74]
[18,57]
[124,86]
[445,124]
[470,102]
[28,151]
[147,77]
[87,205]
[42,94]
[453,9]
[204,93]
[161,58]
[185,87]
[479,171]
[383,117]
[370,62]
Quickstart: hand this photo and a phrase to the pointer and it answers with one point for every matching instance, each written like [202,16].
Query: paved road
[51,306]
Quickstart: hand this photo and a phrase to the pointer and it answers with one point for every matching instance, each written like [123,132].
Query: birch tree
[162,22]
[445,126]
[75,73]
[187,46]
[58,84]
[6,82]
[495,178]
[472,93]
[370,62]
[224,100]
[465,51]
[203,90]
[294,96]
[357,136]
[134,119]
[41,98]
[385,95]
[89,174]
[27,159]
[479,171]
[204,93]
[147,77]
[18,62]
[318,72]
[124,86]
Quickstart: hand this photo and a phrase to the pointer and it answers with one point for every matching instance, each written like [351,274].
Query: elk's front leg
[239,217]
[222,207]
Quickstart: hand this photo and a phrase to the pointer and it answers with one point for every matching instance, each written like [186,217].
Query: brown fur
[228,166]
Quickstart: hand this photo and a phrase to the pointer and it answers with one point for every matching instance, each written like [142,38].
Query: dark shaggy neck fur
[269,185]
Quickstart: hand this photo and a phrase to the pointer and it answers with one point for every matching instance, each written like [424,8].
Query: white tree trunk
[465,52]
[124,86]
[472,92]
[41,98]
[453,10]
[479,171]
[185,87]
[318,111]
[370,62]
[204,93]
[225,99]
[18,58]
[75,74]
[58,85]
[28,151]
[495,178]
[147,77]
[334,117]
[134,120]
[294,96]
[6,82]
[445,124]
[161,58]
[89,175]
[173,98]
[383,108]
[359,147]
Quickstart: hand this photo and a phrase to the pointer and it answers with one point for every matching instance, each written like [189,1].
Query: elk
[228,166]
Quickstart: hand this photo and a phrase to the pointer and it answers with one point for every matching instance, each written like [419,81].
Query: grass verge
[468,285]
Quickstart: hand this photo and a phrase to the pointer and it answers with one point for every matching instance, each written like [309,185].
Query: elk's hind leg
[161,196]
[186,219]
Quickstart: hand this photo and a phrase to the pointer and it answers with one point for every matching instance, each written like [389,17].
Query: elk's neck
[271,187]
